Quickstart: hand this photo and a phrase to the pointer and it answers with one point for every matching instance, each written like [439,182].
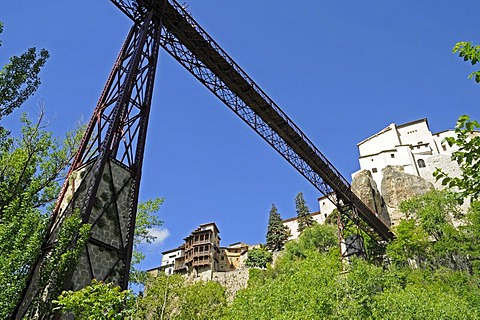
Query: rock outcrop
[398,186]
[232,281]
[366,189]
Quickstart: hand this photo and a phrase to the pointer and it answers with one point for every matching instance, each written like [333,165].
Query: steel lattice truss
[190,45]
[104,179]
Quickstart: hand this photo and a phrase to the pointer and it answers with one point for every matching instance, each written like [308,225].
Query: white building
[326,207]
[411,145]
[168,259]
[292,224]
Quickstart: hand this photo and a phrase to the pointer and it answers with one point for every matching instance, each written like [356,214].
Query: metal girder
[103,181]
[190,45]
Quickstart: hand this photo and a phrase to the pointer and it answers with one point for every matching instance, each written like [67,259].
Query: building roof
[443,131]
[236,244]
[172,250]
[295,218]
[393,125]
[413,122]
[377,134]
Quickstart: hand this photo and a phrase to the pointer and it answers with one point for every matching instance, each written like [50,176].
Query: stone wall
[232,281]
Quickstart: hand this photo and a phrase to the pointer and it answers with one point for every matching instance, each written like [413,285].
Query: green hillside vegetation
[425,278]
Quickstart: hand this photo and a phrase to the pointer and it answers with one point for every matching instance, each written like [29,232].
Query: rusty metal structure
[103,182]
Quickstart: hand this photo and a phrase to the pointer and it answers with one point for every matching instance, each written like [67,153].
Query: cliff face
[366,189]
[396,187]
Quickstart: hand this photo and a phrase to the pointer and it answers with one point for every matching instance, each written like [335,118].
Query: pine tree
[305,220]
[277,233]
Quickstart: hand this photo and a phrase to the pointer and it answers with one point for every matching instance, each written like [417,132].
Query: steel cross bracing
[190,45]
[103,181]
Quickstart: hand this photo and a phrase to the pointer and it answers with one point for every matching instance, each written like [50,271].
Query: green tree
[146,221]
[319,238]
[30,166]
[469,52]
[258,258]
[467,156]
[97,301]
[277,233]
[19,79]
[471,241]
[312,287]
[174,297]
[428,234]
[304,218]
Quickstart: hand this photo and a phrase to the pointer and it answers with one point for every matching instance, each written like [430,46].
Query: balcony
[199,242]
[201,262]
[201,254]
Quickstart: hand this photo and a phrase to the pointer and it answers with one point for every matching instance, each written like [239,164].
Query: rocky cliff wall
[366,189]
[232,281]
[398,186]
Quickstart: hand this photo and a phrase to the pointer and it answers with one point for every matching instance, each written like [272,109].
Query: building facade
[233,257]
[202,250]
[171,259]
[200,256]
[292,224]
[411,145]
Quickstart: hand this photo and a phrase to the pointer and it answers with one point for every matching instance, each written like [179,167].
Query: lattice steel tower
[103,181]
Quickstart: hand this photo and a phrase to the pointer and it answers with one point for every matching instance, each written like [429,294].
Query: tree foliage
[277,233]
[146,222]
[258,258]
[304,218]
[19,79]
[97,301]
[428,235]
[30,165]
[469,52]
[174,297]
[319,238]
[467,156]
[311,286]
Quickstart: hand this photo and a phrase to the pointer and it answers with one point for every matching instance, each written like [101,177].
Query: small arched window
[421,163]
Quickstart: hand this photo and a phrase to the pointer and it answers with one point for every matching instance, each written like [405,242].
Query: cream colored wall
[414,133]
[377,143]
[326,208]
[293,226]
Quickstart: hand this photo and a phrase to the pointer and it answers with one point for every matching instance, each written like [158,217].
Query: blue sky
[342,70]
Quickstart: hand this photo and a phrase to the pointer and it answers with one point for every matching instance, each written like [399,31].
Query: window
[421,163]
[392,155]
[222,258]
[444,147]
[374,170]
[325,215]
